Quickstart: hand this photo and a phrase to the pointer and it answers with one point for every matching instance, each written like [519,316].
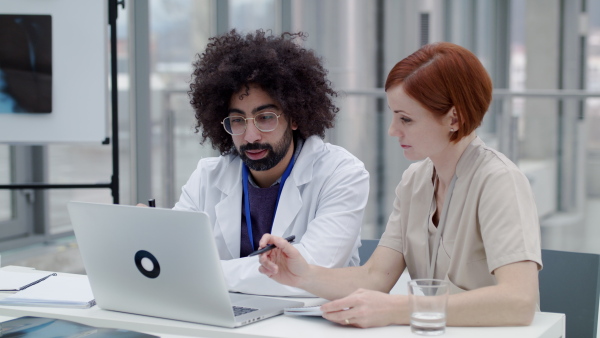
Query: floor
[59,255]
[63,255]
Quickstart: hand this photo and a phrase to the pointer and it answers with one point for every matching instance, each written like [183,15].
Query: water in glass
[428,323]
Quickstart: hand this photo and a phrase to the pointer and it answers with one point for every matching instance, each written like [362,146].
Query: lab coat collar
[303,169]
[290,202]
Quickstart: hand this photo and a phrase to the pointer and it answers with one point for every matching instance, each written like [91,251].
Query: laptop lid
[162,263]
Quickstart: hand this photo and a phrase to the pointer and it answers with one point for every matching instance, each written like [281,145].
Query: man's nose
[252,133]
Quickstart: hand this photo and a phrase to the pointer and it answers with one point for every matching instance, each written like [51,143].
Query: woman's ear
[453,119]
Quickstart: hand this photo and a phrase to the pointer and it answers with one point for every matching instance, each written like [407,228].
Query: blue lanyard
[286,173]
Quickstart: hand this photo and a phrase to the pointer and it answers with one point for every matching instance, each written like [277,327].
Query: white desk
[546,325]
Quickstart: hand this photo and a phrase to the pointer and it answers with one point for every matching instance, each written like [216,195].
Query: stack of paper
[15,281]
[56,291]
[303,311]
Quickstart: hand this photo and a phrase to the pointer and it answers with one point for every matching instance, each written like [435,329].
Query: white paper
[59,291]
[303,311]
[14,281]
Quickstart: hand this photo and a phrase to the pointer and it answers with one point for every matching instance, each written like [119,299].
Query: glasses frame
[255,124]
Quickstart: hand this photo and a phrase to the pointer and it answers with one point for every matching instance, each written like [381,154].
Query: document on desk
[303,311]
[16,281]
[56,291]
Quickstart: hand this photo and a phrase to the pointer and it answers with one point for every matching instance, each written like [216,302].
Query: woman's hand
[283,264]
[367,308]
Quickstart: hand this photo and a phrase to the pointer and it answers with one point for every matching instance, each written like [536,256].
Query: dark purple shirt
[262,210]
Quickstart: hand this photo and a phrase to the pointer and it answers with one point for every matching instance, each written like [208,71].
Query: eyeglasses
[265,122]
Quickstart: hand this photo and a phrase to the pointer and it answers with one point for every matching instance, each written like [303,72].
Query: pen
[152,203]
[270,247]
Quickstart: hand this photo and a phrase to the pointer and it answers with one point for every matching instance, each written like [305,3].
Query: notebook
[162,263]
[17,281]
[55,291]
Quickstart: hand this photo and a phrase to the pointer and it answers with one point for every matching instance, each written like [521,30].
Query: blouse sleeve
[508,219]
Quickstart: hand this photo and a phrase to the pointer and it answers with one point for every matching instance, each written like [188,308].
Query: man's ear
[294,125]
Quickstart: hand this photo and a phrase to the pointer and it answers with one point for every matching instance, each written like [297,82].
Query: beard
[274,156]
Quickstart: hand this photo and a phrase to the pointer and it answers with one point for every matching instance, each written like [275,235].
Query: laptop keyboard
[240,310]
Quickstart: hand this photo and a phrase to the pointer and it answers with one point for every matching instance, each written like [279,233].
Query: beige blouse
[491,220]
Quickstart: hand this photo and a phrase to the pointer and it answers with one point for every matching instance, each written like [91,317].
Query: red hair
[444,75]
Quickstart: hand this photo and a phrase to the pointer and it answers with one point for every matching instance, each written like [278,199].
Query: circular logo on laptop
[147,264]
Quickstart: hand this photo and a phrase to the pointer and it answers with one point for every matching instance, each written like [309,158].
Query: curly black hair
[293,76]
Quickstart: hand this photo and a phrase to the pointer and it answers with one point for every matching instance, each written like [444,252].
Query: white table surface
[546,325]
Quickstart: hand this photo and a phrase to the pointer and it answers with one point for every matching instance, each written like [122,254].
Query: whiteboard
[80,98]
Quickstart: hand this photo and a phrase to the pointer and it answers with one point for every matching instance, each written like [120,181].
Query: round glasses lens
[227,125]
[235,125]
[266,121]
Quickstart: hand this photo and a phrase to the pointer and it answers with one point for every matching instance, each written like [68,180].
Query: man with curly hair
[265,103]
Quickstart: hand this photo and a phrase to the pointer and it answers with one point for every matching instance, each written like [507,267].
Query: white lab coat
[322,204]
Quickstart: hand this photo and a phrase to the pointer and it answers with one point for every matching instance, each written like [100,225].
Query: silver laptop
[161,263]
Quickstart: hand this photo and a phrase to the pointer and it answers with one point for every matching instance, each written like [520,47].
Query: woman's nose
[393,130]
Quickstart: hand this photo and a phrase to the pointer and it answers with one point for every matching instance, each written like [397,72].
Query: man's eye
[266,117]
[236,120]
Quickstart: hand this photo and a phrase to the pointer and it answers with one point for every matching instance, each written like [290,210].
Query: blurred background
[543,57]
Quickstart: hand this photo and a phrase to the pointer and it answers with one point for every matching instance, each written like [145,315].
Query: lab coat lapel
[229,209]
[290,201]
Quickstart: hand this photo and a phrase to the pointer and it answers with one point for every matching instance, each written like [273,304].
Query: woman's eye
[405,119]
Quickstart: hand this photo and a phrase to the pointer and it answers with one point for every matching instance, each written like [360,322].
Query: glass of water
[428,299]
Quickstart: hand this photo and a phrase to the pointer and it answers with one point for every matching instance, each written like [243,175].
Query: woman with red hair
[464,213]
